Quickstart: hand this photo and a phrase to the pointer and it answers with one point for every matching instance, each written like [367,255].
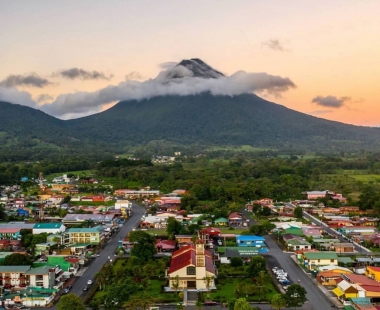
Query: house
[329,278]
[316,194]
[91,235]
[312,232]
[221,222]
[373,273]
[250,241]
[50,228]
[42,276]
[210,232]
[363,230]
[13,276]
[44,247]
[165,245]
[12,230]
[4,244]
[235,219]
[298,244]
[344,247]
[312,260]
[345,290]
[192,268]
[21,212]
[184,240]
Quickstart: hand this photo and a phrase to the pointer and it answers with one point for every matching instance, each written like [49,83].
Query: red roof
[374,268]
[211,231]
[234,215]
[361,280]
[186,257]
[9,230]
[165,244]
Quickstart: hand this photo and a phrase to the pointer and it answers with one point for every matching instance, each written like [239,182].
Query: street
[107,252]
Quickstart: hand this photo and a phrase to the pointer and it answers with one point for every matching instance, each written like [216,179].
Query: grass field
[227,290]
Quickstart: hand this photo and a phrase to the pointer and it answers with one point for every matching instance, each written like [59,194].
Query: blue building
[22,212]
[250,241]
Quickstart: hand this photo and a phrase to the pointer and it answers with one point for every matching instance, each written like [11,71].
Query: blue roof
[250,238]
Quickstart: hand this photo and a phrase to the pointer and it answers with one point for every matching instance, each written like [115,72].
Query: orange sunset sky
[328,49]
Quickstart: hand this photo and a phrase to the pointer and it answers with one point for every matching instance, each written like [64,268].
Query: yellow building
[373,273]
[314,259]
[192,267]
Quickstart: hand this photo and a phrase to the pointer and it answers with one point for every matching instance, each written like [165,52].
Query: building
[298,244]
[373,273]
[316,194]
[250,241]
[50,228]
[192,267]
[91,235]
[13,276]
[312,260]
[235,219]
[44,276]
[75,219]
[344,247]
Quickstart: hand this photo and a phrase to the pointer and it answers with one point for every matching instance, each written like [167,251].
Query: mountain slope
[221,120]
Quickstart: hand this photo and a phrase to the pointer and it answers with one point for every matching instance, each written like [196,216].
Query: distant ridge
[204,120]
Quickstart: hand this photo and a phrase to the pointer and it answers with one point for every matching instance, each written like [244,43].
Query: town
[55,244]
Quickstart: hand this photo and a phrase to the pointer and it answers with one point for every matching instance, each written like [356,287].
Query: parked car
[85,288]
[210,303]
[89,282]
[284,281]
[67,289]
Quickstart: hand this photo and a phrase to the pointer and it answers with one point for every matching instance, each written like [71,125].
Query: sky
[74,58]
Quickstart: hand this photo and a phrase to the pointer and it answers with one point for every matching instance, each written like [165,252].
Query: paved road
[316,299]
[332,232]
[108,251]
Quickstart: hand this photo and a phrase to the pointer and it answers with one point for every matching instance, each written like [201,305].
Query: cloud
[86,103]
[44,98]
[274,44]
[32,80]
[167,65]
[133,76]
[330,101]
[13,95]
[77,73]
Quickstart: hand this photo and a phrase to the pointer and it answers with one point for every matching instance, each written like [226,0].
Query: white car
[89,282]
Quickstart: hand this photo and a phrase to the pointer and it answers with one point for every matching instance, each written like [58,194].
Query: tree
[242,304]
[70,301]
[138,302]
[236,262]
[295,296]
[17,259]
[278,301]
[173,227]
[144,247]
[298,212]
[118,294]
[256,265]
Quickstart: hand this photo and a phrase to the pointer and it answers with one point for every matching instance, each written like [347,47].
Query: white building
[50,228]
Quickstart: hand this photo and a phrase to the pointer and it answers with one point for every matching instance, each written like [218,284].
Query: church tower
[200,254]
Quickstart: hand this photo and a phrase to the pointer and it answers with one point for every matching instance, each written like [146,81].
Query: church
[192,268]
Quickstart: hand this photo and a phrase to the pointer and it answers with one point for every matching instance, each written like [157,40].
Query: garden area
[244,279]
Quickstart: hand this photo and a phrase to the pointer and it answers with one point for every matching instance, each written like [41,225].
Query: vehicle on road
[210,303]
[67,289]
[85,288]
[284,281]
[89,282]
